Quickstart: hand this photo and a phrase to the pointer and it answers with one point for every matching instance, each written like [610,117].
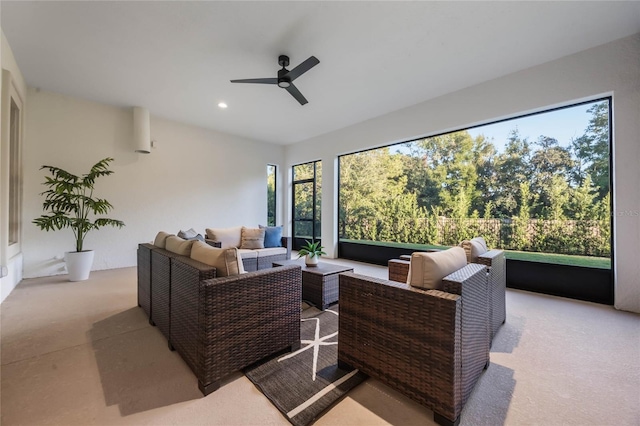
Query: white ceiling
[176,58]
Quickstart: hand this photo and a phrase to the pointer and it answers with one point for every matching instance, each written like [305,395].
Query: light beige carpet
[84,353]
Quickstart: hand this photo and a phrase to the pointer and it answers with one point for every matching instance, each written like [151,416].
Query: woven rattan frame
[222,325]
[398,270]
[430,345]
[496,265]
[161,289]
[144,278]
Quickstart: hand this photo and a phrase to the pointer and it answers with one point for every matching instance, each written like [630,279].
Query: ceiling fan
[285,77]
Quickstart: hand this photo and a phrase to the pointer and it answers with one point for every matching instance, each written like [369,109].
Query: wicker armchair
[430,345]
[496,265]
[222,325]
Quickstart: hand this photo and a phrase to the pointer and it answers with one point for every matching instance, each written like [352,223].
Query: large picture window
[537,186]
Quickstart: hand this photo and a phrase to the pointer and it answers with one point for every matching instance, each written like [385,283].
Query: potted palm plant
[70,200]
[312,251]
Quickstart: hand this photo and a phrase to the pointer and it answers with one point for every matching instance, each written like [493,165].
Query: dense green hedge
[573,237]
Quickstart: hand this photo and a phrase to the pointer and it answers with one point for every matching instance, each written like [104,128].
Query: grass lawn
[559,259]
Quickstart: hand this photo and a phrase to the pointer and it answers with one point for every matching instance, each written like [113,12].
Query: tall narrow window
[271,195]
[14,173]
[306,195]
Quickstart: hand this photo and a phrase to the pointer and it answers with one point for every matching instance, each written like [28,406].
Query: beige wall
[192,178]
[10,257]
[610,69]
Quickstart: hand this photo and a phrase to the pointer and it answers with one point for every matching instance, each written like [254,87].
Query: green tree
[520,224]
[582,201]
[512,168]
[549,162]
[592,149]
[369,181]
[484,158]
[450,168]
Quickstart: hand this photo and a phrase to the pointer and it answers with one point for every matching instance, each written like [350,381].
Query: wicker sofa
[431,345]
[201,319]
[496,265]
[253,259]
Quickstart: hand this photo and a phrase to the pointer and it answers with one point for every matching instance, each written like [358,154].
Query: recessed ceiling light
[222,105]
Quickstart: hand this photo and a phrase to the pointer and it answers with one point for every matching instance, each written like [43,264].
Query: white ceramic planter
[311,261]
[79,264]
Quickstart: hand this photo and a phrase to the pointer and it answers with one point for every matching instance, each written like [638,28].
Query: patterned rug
[305,383]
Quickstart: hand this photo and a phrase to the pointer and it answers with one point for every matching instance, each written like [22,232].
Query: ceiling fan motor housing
[284,81]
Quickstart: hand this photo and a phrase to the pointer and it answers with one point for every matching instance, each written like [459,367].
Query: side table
[320,284]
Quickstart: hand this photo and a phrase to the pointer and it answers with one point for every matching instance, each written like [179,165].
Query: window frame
[297,242]
[12,144]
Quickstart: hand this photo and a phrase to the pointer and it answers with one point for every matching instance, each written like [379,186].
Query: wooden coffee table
[319,283]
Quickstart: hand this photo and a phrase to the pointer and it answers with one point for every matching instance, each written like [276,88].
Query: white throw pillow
[225,261]
[161,239]
[179,246]
[228,237]
[428,269]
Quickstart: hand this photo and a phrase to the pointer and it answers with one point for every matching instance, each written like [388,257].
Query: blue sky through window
[564,125]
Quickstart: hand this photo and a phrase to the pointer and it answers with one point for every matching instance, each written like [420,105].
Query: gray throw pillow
[187,235]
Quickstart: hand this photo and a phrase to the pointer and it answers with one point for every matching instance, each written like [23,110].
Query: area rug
[305,383]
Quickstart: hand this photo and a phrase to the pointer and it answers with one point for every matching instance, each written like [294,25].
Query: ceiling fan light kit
[285,77]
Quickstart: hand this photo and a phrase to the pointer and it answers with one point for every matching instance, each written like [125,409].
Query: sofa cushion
[224,260]
[248,253]
[272,251]
[161,239]
[252,238]
[474,248]
[272,236]
[178,245]
[228,237]
[428,269]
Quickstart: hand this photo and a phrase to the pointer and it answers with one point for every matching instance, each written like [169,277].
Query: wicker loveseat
[431,345]
[219,325]
[496,265]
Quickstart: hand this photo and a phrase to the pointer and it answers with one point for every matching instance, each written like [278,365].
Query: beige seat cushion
[248,254]
[179,246]
[473,248]
[252,238]
[161,239]
[428,269]
[228,237]
[273,251]
[224,260]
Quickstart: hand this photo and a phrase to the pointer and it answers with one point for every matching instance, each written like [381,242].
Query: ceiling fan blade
[303,67]
[257,80]
[296,94]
